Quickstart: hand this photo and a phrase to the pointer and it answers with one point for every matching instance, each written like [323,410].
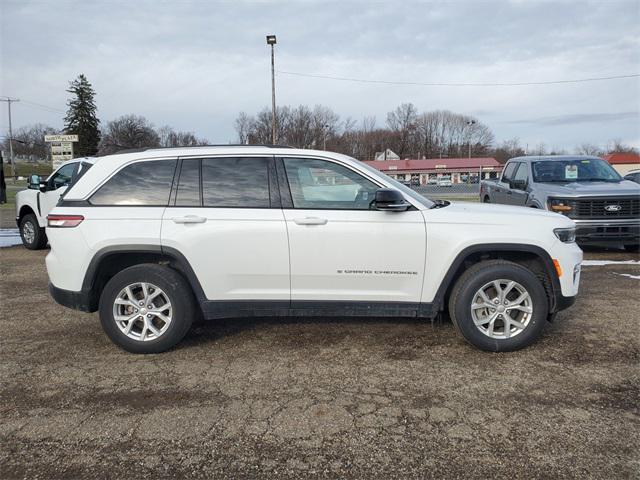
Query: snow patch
[600,263]
[9,237]
[636,277]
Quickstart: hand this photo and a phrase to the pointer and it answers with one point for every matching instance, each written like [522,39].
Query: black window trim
[285,191]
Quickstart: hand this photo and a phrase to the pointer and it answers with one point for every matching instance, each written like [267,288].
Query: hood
[493,214]
[570,189]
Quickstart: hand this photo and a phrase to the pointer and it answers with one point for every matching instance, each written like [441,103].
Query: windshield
[404,189]
[579,170]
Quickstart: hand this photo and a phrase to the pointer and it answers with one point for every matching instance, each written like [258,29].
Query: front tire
[499,306]
[32,235]
[147,308]
[486,199]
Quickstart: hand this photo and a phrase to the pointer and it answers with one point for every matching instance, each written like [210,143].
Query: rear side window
[141,183]
[235,182]
[188,194]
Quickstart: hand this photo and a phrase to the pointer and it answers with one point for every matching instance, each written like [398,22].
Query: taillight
[64,221]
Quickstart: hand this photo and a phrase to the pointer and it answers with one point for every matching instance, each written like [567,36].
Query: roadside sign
[61,138]
[61,148]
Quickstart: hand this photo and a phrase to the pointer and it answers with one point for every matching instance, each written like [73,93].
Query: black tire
[39,237]
[632,247]
[482,273]
[177,290]
[486,199]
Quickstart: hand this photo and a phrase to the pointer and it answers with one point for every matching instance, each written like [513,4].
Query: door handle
[189,219]
[310,221]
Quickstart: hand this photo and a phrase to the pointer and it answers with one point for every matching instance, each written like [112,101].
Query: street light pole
[271,40]
[469,123]
[13,165]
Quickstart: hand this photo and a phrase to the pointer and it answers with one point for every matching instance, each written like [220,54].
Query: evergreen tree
[81,117]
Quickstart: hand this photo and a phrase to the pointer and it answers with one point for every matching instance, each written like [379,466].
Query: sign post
[61,148]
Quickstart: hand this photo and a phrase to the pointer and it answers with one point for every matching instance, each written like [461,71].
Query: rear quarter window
[141,183]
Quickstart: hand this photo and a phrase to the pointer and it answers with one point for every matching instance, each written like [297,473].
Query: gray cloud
[196,64]
[581,118]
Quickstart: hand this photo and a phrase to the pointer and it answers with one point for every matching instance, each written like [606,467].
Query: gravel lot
[319,398]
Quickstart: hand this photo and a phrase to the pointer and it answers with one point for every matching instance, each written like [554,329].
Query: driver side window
[63,176]
[320,184]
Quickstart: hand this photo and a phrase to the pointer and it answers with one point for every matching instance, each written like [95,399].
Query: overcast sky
[196,64]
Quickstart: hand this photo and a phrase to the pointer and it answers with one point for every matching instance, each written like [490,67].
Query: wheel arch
[530,256]
[25,210]
[111,260]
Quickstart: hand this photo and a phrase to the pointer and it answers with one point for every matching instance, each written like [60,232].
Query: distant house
[460,170]
[388,154]
[623,162]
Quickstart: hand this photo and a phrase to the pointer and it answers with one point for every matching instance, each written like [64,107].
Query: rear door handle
[189,219]
[310,221]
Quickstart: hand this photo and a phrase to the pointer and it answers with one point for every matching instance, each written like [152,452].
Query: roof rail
[145,149]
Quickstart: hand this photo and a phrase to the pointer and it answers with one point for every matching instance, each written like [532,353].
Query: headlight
[560,206]
[566,235]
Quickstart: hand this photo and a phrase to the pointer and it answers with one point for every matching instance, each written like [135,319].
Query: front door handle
[311,221]
[189,219]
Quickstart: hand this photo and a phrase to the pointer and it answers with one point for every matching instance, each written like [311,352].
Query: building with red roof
[424,171]
[623,162]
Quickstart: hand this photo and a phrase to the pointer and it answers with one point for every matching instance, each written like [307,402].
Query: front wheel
[33,236]
[147,308]
[486,199]
[499,306]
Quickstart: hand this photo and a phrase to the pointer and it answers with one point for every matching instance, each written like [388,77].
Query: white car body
[444,182]
[40,203]
[300,261]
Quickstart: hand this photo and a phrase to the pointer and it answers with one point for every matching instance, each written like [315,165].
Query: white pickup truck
[34,204]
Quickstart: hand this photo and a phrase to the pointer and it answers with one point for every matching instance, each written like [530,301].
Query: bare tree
[28,142]
[171,138]
[126,132]
[402,123]
[244,126]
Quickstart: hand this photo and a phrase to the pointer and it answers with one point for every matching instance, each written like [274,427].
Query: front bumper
[607,231]
[81,300]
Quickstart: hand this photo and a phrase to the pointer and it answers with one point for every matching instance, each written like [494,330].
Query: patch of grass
[24,169]
[12,189]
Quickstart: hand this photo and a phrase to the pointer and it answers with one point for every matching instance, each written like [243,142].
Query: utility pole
[11,159]
[271,40]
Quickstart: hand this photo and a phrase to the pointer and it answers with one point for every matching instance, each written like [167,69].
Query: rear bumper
[607,231]
[77,300]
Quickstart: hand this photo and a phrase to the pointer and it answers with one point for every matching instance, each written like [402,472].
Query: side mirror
[390,200]
[519,184]
[34,182]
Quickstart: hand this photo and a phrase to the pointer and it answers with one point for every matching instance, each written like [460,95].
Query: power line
[452,84]
[41,106]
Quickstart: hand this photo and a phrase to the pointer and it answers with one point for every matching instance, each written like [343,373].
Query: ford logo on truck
[613,208]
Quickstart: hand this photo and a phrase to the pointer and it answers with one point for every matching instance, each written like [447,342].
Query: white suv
[154,239]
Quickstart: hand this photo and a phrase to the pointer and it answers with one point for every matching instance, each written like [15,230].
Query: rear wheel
[486,199]
[33,236]
[147,308]
[499,306]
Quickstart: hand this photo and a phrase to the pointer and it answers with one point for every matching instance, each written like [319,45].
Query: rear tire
[486,199]
[32,235]
[161,312]
[472,324]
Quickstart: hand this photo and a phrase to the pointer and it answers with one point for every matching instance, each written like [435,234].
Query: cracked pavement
[300,398]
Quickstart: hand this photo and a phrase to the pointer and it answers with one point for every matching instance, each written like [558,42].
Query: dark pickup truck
[604,206]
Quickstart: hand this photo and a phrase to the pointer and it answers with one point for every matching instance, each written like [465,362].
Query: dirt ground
[319,398]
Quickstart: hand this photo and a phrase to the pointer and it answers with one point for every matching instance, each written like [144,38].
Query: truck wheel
[632,247]
[486,199]
[33,236]
[499,306]
[147,308]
